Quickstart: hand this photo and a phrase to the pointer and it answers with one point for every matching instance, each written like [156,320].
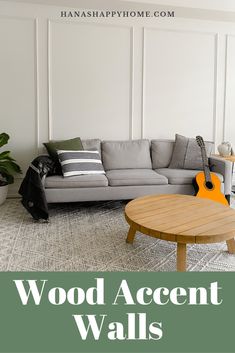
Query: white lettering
[124,292]
[33,289]
[92,325]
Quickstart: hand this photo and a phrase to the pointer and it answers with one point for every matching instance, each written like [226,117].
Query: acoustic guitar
[208,184]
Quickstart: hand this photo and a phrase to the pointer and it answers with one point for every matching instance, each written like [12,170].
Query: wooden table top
[181,218]
[228,158]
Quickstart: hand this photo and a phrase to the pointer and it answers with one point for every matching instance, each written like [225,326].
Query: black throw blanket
[32,190]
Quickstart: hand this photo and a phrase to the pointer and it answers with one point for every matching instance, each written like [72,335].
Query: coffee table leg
[231,246]
[181,257]
[131,235]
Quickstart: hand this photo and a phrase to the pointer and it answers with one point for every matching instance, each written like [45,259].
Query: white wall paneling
[229,106]
[90,80]
[229,114]
[179,84]
[112,78]
[19,86]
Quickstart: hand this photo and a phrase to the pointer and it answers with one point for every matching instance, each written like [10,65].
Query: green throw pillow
[52,147]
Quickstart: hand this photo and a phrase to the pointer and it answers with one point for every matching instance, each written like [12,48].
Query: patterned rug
[91,237]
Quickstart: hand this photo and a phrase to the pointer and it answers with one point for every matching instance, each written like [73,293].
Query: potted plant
[8,168]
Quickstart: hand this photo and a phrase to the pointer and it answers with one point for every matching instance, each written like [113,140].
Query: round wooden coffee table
[182,219]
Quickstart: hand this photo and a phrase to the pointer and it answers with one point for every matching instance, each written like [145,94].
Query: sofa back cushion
[92,144]
[161,152]
[126,154]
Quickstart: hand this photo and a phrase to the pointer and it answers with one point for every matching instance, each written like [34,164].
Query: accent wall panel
[229,123]
[179,83]
[18,112]
[90,80]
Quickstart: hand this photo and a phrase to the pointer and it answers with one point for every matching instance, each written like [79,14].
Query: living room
[128,79]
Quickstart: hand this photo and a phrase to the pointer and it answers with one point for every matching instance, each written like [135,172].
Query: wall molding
[225,118]
[37,97]
[139,115]
[143,83]
[36,71]
[36,75]
[144,35]
[131,103]
[225,86]
[49,81]
[215,86]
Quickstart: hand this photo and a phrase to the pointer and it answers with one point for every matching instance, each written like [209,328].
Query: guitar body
[208,184]
[213,192]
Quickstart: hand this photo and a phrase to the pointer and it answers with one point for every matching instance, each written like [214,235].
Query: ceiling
[213,10]
[218,5]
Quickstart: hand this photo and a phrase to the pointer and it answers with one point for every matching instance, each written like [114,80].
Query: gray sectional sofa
[133,168]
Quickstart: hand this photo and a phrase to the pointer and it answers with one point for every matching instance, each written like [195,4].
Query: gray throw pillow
[80,162]
[187,153]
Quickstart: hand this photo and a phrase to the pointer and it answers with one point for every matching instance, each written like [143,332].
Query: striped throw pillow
[80,162]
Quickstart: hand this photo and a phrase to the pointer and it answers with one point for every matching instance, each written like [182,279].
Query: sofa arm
[219,165]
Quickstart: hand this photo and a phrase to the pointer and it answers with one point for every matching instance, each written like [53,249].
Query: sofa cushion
[187,153]
[180,176]
[121,177]
[161,152]
[92,144]
[79,181]
[126,154]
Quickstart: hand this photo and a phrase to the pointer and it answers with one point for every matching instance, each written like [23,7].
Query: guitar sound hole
[209,185]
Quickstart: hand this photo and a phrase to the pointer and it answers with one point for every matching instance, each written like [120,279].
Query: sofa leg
[228,198]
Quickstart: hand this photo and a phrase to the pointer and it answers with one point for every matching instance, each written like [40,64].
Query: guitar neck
[206,168]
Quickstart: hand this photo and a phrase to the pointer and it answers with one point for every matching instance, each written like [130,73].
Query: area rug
[91,237]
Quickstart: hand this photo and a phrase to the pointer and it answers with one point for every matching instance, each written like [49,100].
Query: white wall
[112,78]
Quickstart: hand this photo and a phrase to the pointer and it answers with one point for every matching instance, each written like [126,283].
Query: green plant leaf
[4,139]
[10,166]
[6,175]
[7,159]
[16,167]
[6,155]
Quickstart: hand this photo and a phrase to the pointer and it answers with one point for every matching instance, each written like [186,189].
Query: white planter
[3,193]
[225,149]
